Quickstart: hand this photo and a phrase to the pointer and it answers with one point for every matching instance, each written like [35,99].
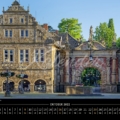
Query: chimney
[45,26]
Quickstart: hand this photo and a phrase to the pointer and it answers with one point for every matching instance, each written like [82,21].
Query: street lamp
[90,46]
[7,65]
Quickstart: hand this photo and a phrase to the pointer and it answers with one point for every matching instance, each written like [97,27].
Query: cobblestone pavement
[59,96]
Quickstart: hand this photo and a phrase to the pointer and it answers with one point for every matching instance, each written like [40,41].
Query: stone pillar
[108,71]
[114,70]
[119,69]
[32,88]
[49,88]
[55,77]
[61,74]
[73,71]
[1,86]
[16,87]
[58,74]
[67,67]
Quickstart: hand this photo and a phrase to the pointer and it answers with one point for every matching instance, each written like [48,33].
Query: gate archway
[11,85]
[26,85]
[91,76]
[40,86]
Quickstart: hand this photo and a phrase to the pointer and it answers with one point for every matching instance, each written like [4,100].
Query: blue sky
[88,12]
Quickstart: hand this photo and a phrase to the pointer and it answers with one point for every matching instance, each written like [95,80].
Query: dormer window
[22,20]
[11,20]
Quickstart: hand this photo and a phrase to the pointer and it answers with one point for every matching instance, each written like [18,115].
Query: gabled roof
[50,37]
[73,42]
[15,3]
[13,8]
[95,46]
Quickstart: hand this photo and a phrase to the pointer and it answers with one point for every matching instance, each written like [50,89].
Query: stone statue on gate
[91,33]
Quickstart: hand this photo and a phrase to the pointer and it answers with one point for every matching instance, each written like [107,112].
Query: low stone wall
[109,89]
[78,90]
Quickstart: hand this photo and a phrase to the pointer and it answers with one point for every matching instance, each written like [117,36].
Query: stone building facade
[22,39]
[51,61]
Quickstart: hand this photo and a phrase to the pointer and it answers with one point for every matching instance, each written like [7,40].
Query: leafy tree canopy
[118,42]
[105,33]
[71,26]
[111,25]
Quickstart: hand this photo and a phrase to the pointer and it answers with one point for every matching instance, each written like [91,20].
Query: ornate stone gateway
[92,54]
[40,86]
[11,85]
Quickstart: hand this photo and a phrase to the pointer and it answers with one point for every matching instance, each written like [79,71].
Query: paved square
[59,96]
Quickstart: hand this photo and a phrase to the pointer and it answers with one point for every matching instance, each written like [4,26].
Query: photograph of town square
[37,59]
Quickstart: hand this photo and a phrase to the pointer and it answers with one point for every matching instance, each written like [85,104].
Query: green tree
[82,39]
[109,36]
[96,35]
[104,33]
[111,25]
[71,26]
[118,42]
[100,31]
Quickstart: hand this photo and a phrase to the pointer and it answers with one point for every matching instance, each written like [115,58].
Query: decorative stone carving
[16,34]
[5,19]
[91,33]
[43,66]
[95,46]
[16,19]
[1,19]
[14,8]
[30,20]
[48,48]
[31,33]
[39,33]
[1,33]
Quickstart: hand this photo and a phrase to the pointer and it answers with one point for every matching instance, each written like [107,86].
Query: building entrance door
[40,86]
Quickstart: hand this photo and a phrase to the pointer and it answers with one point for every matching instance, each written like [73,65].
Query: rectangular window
[10,20]
[6,33]
[21,55]
[22,20]
[10,33]
[26,32]
[36,55]
[6,54]
[58,57]
[42,55]
[26,55]
[22,33]
[11,55]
